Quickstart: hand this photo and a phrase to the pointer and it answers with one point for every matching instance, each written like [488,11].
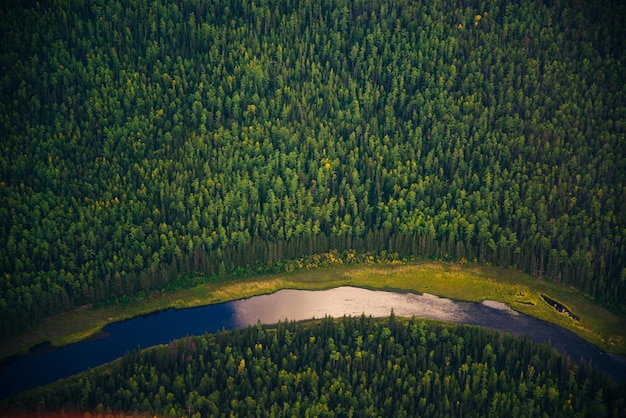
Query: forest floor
[469,282]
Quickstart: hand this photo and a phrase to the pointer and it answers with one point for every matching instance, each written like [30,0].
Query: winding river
[45,364]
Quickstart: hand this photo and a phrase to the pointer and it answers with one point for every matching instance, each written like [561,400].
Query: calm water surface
[45,365]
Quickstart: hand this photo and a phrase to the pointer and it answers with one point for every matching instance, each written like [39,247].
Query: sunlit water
[46,365]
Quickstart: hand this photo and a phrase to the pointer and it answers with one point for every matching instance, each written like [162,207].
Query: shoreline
[519,291]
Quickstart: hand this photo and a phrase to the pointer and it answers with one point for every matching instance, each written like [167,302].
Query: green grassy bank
[469,282]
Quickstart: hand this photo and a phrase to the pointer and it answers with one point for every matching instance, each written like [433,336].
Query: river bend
[45,365]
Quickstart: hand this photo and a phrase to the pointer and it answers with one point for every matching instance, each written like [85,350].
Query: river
[46,364]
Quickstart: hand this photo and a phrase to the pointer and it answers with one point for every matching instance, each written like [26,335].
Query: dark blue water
[46,365]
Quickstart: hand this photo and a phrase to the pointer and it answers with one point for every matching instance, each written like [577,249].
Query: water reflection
[302,304]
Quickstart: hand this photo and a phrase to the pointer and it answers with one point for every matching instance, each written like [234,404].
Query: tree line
[149,141]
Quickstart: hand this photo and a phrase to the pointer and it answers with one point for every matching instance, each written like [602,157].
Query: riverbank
[469,282]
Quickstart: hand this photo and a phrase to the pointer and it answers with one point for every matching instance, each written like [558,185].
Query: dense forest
[145,142]
[362,367]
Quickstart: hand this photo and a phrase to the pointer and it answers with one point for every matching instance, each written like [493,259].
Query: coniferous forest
[350,367]
[144,142]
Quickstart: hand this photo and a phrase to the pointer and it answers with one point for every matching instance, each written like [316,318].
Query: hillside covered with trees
[146,141]
[351,367]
